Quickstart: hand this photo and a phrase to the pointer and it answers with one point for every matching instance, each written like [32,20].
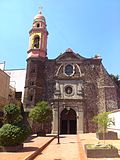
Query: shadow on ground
[30,139]
[28,149]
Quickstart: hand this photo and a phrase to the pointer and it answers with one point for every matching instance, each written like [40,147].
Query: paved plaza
[70,148]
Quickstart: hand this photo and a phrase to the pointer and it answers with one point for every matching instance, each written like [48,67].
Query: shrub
[12,135]
[100,146]
[41,113]
[12,114]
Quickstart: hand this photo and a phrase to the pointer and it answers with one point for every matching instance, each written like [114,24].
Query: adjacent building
[4,88]
[115,116]
[17,82]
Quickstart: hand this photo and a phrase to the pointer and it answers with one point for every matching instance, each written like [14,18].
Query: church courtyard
[70,147]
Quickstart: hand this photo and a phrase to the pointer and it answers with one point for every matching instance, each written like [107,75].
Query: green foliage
[13,132]
[115,79]
[12,114]
[103,121]
[12,135]
[100,146]
[41,113]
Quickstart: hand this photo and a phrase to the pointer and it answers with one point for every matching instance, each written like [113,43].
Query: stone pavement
[32,147]
[71,148]
[68,149]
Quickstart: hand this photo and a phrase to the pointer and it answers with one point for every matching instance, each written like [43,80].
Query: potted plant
[41,114]
[101,151]
[103,121]
[14,132]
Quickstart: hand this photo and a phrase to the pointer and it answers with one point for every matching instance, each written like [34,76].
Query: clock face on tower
[69,69]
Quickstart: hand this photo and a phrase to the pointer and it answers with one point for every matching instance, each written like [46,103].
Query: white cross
[40,9]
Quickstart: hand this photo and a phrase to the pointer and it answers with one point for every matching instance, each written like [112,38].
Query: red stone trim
[81,149]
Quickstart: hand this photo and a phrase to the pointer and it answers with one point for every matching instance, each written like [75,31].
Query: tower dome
[39,17]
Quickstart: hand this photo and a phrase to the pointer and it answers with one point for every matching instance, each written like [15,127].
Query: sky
[88,27]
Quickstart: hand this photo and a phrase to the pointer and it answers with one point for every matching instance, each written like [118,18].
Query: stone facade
[93,90]
[75,87]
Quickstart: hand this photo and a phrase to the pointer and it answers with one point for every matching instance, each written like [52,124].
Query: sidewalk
[68,149]
[32,146]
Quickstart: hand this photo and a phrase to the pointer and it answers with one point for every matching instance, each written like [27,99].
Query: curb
[81,149]
[39,150]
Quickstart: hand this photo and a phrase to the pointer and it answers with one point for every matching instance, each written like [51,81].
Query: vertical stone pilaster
[101,91]
[55,122]
[101,100]
[79,122]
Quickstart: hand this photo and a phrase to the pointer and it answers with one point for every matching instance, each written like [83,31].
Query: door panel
[68,122]
[64,127]
[72,127]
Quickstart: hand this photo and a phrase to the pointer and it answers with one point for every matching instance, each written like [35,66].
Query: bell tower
[38,37]
[35,84]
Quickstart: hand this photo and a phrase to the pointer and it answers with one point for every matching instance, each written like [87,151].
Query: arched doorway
[68,122]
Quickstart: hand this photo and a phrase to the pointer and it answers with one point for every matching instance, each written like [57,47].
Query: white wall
[116,116]
[17,79]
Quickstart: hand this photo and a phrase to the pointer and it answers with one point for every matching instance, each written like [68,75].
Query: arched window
[38,25]
[36,41]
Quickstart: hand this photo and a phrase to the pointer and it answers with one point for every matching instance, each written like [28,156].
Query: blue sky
[89,27]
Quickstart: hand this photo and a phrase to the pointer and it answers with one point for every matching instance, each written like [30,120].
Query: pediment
[69,55]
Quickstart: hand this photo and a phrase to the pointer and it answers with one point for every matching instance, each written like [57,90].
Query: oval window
[68,90]
[69,69]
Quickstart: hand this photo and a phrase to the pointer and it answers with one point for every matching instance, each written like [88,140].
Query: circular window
[68,90]
[69,69]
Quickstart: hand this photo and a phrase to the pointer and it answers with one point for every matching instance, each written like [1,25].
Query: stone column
[55,121]
[79,121]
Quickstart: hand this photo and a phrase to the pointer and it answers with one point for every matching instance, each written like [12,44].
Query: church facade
[74,86]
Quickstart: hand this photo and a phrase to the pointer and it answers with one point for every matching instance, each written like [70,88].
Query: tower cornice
[38,30]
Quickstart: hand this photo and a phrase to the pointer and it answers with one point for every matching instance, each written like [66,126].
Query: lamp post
[58,122]
[58,107]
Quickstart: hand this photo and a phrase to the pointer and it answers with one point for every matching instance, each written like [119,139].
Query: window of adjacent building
[69,69]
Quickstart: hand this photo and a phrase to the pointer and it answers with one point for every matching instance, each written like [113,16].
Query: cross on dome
[40,9]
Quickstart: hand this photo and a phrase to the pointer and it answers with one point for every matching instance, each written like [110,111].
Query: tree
[41,113]
[12,114]
[14,132]
[103,122]
[115,79]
